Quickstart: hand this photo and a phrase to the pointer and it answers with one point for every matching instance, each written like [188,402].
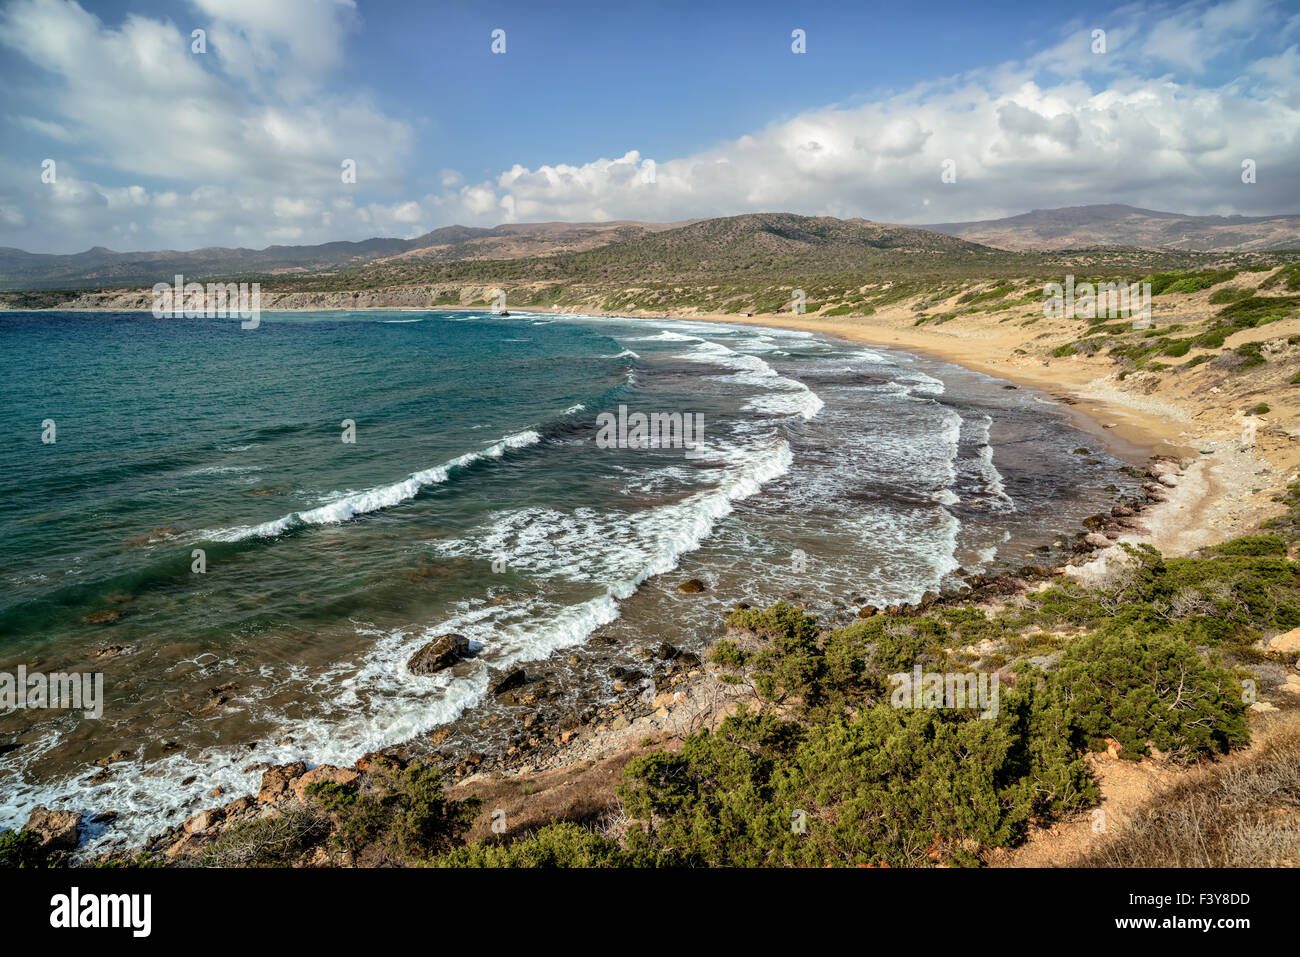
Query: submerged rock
[692,586]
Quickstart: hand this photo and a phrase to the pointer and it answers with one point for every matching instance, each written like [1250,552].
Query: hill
[1081,227]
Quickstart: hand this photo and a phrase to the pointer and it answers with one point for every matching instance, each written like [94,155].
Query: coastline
[591,756]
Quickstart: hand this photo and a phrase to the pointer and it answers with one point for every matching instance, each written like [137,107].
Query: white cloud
[246,145]
[150,107]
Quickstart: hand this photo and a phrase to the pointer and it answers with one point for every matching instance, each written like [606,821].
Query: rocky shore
[669,695]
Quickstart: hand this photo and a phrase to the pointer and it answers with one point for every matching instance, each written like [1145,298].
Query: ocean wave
[785,396]
[373,499]
[665,336]
[224,469]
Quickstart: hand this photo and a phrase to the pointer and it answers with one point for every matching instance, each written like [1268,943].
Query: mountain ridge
[624,247]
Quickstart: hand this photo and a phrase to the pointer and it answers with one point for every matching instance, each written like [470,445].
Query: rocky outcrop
[57,830]
[277,782]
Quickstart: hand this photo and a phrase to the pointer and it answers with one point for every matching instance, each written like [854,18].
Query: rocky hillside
[1082,227]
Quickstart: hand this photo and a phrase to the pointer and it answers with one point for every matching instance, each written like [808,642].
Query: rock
[111,651]
[57,830]
[107,617]
[1168,481]
[1291,685]
[121,754]
[1082,451]
[1262,707]
[668,652]
[514,678]
[203,820]
[377,761]
[1096,540]
[692,586]
[1288,643]
[238,806]
[666,700]
[277,781]
[321,774]
[443,652]
[867,611]
[179,848]
[1121,511]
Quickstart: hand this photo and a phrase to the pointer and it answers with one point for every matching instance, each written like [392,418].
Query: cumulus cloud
[244,145]
[246,118]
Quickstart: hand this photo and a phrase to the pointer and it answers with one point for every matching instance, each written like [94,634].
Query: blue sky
[156,146]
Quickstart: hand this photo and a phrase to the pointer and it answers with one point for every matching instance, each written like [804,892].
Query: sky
[118,128]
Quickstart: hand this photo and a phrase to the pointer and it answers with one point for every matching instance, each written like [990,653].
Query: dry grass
[1243,812]
[278,841]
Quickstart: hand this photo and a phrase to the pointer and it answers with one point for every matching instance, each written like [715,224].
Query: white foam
[370,500]
[796,399]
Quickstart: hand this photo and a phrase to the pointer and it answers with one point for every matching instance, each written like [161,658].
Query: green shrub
[21,849]
[794,664]
[1252,545]
[728,654]
[1144,689]
[1251,355]
[557,845]
[1230,294]
[402,814]
[889,785]
[1186,282]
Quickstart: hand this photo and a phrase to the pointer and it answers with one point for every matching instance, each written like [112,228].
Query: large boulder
[443,652]
[57,830]
[203,820]
[1288,643]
